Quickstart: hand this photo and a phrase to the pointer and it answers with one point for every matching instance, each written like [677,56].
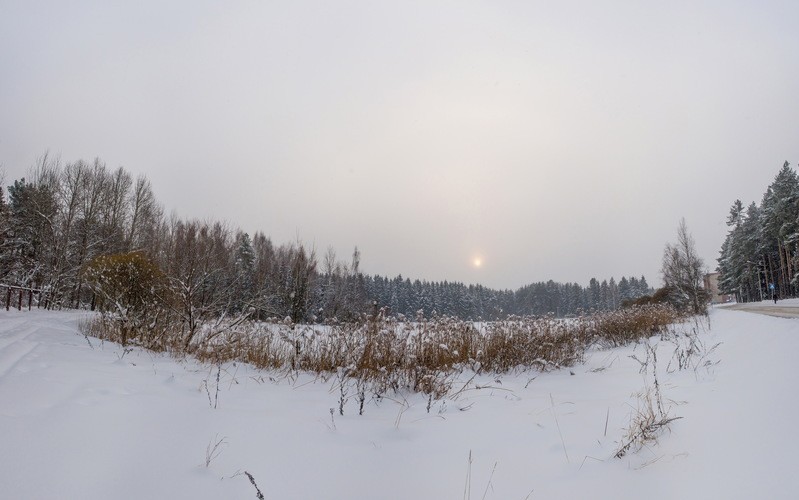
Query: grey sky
[557,140]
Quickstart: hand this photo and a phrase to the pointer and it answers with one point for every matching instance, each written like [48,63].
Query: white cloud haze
[556,140]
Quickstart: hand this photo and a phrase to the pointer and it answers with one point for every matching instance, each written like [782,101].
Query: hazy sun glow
[477,262]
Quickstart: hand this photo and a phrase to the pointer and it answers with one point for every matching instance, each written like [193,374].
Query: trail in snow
[782,309]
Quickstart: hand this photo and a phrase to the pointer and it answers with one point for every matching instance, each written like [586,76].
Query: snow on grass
[97,422]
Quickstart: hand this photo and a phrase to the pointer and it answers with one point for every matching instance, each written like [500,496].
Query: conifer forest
[759,255]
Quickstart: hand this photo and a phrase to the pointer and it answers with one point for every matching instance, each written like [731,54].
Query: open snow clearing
[80,418]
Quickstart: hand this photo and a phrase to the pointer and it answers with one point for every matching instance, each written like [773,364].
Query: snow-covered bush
[130,290]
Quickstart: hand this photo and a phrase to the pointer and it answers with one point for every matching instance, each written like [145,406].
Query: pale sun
[477,262]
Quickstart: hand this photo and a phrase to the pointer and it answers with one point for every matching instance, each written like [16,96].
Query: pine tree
[625,291]
[613,290]
[605,297]
[779,219]
[244,268]
[5,261]
[741,263]
[643,287]
[736,213]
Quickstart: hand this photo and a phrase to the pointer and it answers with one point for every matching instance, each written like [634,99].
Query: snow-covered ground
[765,303]
[782,308]
[93,422]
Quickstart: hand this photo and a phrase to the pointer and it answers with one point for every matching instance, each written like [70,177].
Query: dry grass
[651,416]
[214,449]
[388,354]
[381,355]
[646,424]
[632,324]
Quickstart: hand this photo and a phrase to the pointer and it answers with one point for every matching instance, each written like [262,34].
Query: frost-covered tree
[344,291]
[779,220]
[625,291]
[643,287]
[683,273]
[5,231]
[740,263]
[243,288]
[28,248]
[594,295]
[197,265]
[760,249]
[299,272]
[144,218]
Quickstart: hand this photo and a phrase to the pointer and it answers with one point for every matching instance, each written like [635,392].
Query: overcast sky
[554,140]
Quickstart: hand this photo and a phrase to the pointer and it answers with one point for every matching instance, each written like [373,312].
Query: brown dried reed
[387,353]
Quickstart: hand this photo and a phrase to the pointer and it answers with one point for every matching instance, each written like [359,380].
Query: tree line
[475,301]
[758,258]
[87,235]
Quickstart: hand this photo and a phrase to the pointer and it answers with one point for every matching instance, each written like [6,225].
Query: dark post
[30,298]
[8,298]
[19,304]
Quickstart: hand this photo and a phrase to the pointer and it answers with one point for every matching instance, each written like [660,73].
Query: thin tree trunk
[784,287]
[771,273]
[789,288]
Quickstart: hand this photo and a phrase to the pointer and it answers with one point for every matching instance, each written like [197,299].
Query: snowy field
[95,422]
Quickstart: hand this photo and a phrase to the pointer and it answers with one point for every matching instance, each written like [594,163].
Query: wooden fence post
[19,300]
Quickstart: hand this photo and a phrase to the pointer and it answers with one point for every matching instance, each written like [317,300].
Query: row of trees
[53,224]
[476,301]
[83,232]
[760,250]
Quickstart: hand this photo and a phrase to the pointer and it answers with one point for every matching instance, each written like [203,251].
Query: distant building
[712,286]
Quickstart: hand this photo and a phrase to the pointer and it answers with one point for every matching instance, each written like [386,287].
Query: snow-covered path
[782,309]
[94,422]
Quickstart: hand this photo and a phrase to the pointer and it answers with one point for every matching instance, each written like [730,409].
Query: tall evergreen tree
[779,220]
[244,268]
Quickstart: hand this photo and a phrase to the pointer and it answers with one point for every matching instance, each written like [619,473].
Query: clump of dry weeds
[651,416]
[385,353]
